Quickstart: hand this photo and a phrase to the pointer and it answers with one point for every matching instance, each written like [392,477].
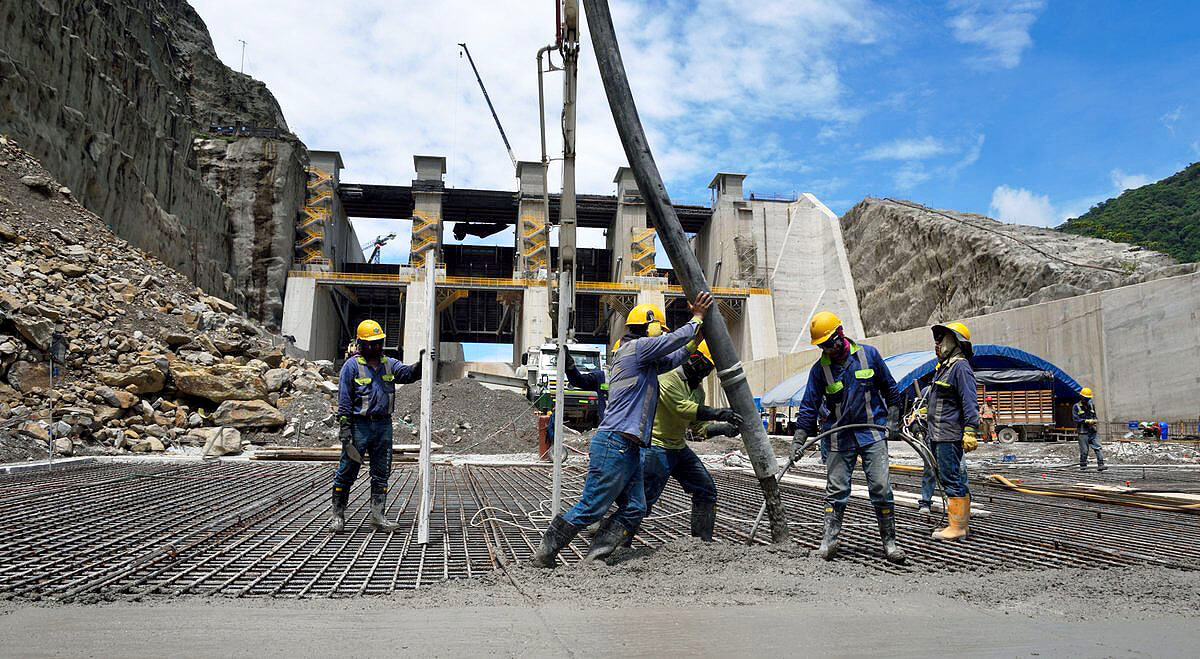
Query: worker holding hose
[614,455]
[952,417]
[366,396]
[681,410]
[854,382]
[1084,415]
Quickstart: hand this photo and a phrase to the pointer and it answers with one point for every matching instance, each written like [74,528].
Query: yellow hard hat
[369,330]
[650,316]
[960,332]
[1086,392]
[822,326]
[703,349]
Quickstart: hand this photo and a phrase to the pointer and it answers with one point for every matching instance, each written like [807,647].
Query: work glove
[970,440]
[893,424]
[798,441]
[720,428]
[706,413]
[346,435]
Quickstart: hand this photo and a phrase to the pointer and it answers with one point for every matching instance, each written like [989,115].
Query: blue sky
[1029,111]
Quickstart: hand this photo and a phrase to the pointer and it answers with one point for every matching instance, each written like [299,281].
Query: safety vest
[363,391]
[835,389]
[937,397]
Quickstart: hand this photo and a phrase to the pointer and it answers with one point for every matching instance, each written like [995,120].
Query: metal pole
[427,379]
[559,398]
[50,434]
[490,106]
[662,214]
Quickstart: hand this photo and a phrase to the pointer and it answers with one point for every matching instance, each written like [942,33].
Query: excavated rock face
[111,95]
[914,266]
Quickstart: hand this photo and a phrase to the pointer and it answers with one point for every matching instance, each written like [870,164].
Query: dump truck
[537,377]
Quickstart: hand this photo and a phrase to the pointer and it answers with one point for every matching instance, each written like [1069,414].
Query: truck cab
[540,369]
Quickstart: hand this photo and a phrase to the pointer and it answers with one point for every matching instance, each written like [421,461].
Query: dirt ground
[686,598]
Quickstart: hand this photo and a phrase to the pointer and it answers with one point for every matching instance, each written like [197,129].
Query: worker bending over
[853,380]
[681,409]
[952,417]
[1084,415]
[366,396]
[614,455]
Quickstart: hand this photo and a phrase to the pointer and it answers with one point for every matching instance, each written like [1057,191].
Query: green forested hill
[1163,216]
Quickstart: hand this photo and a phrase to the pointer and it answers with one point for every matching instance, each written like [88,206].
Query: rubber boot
[612,534]
[960,512]
[886,516]
[833,526]
[704,517]
[337,514]
[558,535]
[923,509]
[379,520]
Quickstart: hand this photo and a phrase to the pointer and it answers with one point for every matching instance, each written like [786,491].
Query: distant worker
[592,381]
[681,409]
[858,387]
[952,417]
[1084,415]
[614,454]
[987,420]
[366,396]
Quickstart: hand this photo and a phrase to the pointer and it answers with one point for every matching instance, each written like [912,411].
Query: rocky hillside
[151,362]
[116,98]
[914,266]
[1164,216]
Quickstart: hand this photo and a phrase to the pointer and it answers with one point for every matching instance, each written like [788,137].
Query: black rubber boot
[704,517]
[612,534]
[558,535]
[886,517]
[337,515]
[833,526]
[379,520]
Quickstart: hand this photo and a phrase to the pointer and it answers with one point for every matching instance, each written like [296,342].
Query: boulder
[29,377]
[277,378]
[64,447]
[105,414]
[218,441]
[72,270]
[43,184]
[7,232]
[219,382]
[34,430]
[121,399]
[247,414]
[218,304]
[175,339]
[36,331]
[140,379]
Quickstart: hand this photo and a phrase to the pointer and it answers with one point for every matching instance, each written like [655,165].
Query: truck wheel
[1009,435]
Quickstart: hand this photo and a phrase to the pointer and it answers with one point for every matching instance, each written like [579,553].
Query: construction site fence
[485,282]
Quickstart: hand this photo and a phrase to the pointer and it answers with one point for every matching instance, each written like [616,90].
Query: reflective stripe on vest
[944,388]
[364,379]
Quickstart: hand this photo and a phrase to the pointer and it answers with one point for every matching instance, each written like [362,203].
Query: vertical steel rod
[428,365]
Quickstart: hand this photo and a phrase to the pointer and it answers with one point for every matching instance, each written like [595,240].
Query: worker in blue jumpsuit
[1084,415]
[366,396]
[952,420]
[614,454]
[858,387]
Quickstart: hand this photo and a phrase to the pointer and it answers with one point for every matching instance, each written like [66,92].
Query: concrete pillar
[533,237]
[630,223]
[310,318]
[533,325]
[427,191]
[415,318]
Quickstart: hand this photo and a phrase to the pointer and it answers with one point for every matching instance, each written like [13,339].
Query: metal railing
[488,282]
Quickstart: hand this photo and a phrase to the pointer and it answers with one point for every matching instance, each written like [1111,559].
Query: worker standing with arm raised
[614,455]
[1084,415]
[681,410]
[366,396]
[952,415]
[858,388]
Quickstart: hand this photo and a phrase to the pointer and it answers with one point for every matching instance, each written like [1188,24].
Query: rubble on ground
[469,418]
[152,362]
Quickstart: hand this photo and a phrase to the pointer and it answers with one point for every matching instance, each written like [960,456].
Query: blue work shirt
[592,380]
[371,392]
[858,390]
[633,384]
[1081,413]
[951,401]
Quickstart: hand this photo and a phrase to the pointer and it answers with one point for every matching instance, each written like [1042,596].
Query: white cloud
[1020,206]
[1196,147]
[907,149]
[1122,181]
[999,27]
[911,175]
[1168,120]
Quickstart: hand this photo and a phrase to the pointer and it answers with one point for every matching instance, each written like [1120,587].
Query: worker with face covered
[1084,415]
[614,454]
[952,417]
[854,382]
[682,412]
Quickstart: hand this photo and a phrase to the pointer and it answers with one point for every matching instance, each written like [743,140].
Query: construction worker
[987,420]
[592,380]
[853,380]
[1084,415]
[366,396]
[614,455]
[681,410]
[952,417]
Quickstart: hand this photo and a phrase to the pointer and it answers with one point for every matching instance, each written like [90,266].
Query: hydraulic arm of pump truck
[662,214]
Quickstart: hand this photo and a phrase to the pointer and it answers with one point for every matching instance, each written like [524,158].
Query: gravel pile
[469,418]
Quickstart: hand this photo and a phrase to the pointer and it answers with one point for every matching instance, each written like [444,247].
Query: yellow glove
[970,441]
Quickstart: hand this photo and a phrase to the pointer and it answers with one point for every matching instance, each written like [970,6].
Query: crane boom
[487,98]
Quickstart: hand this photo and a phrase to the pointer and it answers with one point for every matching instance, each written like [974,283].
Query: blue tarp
[911,367]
